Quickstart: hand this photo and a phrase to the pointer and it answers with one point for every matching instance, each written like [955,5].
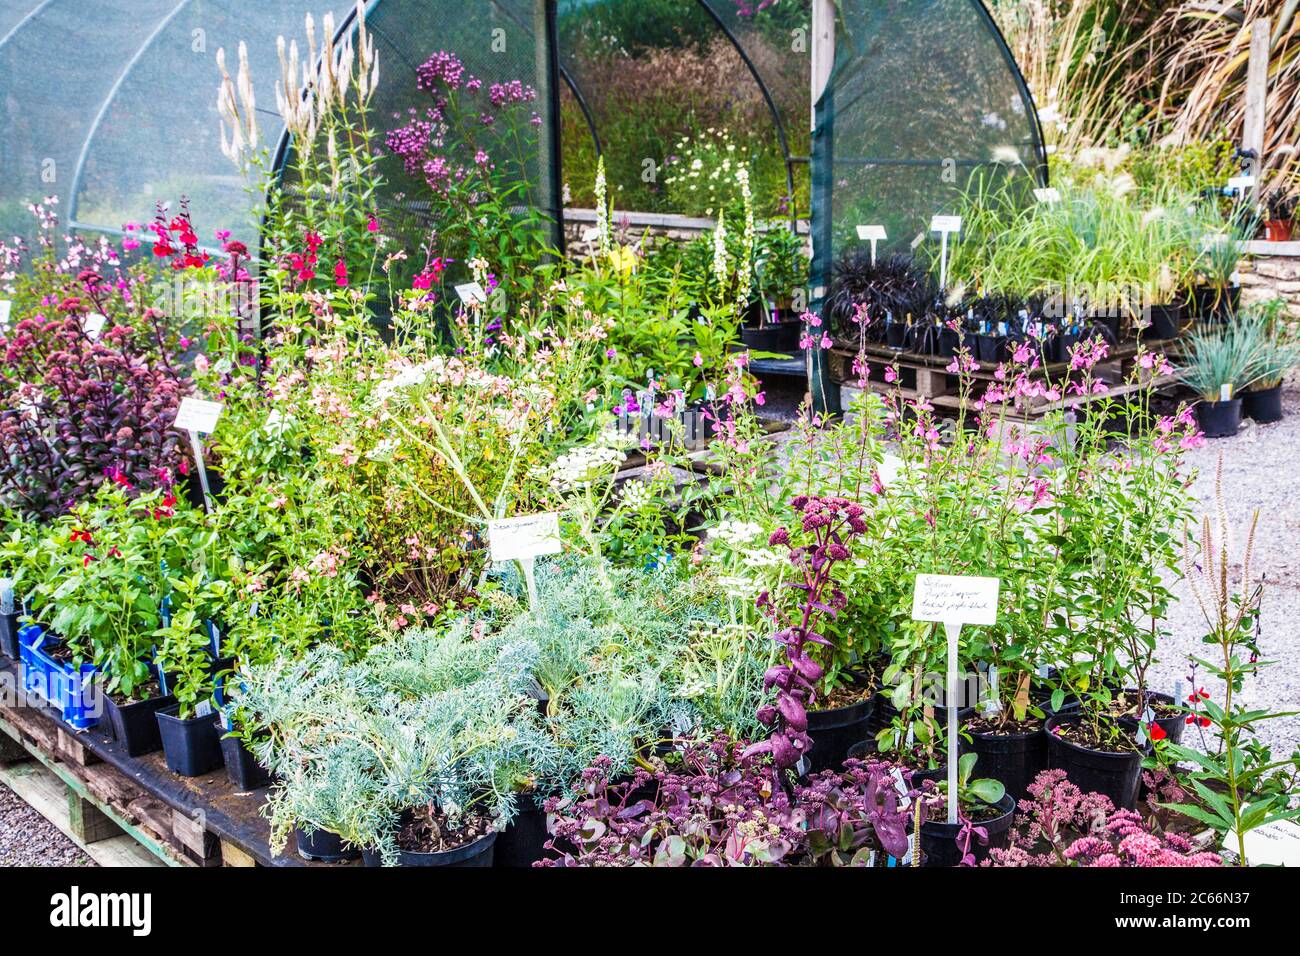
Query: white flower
[736,533]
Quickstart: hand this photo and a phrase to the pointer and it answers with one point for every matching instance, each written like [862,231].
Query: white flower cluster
[577,469]
[636,495]
[736,534]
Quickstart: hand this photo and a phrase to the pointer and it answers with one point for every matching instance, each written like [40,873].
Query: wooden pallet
[930,380]
[106,795]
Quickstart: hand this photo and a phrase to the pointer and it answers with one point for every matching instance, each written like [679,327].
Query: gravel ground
[1261,472]
[28,839]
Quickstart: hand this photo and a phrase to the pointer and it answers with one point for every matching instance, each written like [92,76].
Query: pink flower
[698,361]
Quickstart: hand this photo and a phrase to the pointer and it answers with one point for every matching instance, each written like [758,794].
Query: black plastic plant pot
[835,730]
[1166,322]
[1264,405]
[478,853]
[322,846]
[939,839]
[192,747]
[1014,759]
[896,335]
[135,725]
[9,635]
[1064,343]
[1219,419]
[1172,725]
[775,337]
[244,771]
[988,348]
[949,342]
[1115,774]
[523,842]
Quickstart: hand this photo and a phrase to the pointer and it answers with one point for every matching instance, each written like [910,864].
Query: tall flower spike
[246,98]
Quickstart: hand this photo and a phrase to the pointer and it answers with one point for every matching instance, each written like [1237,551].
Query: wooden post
[88,823]
[1254,125]
[11,751]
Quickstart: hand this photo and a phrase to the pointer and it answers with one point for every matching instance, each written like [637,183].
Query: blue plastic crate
[72,691]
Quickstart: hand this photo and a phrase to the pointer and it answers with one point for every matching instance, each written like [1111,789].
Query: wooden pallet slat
[109,796]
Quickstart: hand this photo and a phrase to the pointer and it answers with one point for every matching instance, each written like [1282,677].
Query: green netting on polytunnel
[655,85]
[111,106]
[464,83]
[924,103]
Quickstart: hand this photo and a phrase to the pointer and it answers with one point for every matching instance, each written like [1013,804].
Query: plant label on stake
[1047,194]
[944,225]
[954,600]
[471,293]
[872,234]
[1241,183]
[198,415]
[524,538]
[1273,844]
[93,324]
[5,307]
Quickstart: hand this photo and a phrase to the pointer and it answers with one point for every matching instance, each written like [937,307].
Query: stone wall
[1268,276]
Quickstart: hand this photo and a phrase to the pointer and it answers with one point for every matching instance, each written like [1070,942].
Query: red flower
[340,273]
[85,561]
[1156,732]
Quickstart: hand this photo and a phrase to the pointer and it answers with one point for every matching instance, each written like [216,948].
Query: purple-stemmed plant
[830,523]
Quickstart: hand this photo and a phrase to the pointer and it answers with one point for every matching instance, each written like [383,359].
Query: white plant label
[1274,844]
[525,537]
[93,324]
[1241,182]
[873,235]
[1225,393]
[591,234]
[945,224]
[198,415]
[5,307]
[471,293]
[1047,194]
[203,709]
[955,599]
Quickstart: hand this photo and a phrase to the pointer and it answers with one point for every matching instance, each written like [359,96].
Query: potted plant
[984,817]
[191,738]
[1276,353]
[816,672]
[1280,207]
[1217,367]
[781,273]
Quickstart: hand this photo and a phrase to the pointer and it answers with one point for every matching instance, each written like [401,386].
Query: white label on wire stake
[955,599]
[591,234]
[1241,182]
[93,324]
[867,233]
[471,293]
[1047,194]
[945,224]
[525,536]
[198,415]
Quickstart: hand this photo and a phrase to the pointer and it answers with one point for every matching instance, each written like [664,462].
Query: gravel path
[28,839]
[1261,471]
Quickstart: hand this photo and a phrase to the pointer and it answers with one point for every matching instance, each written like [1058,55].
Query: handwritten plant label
[471,293]
[945,224]
[5,306]
[1273,844]
[198,415]
[1047,194]
[94,324]
[955,599]
[871,233]
[525,537]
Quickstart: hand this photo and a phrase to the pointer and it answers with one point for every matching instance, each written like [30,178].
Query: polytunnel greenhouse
[523,434]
